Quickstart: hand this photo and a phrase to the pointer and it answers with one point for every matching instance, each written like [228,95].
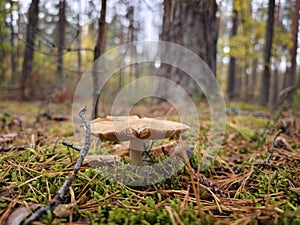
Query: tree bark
[238,80]
[231,70]
[194,25]
[166,21]
[266,78]
[98,51]
[207,31]
[60,40]
[13,58]
[164,69]
[253,79]
[275,86]
[293,51]
[29,49]
[79,40]
[276,69]
[131,35]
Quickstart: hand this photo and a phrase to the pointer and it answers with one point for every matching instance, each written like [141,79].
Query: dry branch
[65,187]
[7,149]
[272,147]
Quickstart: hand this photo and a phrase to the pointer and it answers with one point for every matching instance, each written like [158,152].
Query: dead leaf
[96,161]
[163,150]
[64,210]
[19,214]
[282,143]
[8,138]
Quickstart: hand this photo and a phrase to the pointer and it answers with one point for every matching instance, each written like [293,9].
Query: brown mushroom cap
[126,128]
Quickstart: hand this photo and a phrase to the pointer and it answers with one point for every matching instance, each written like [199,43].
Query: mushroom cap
[124,128]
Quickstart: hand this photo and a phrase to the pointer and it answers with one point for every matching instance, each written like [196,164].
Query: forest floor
[238,188]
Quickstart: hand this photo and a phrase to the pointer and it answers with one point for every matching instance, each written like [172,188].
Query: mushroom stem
[136,157]
[136,151]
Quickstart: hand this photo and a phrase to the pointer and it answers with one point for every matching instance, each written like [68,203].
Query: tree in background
[193,24]
[206,21]
[266,76]
[232,62]
[6,43]
[30,42]
[79,38]
[276,50]
[293,50]
[14,42]
[98,51]
[60,39]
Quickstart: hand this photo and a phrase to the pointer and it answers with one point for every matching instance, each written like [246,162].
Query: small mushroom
[139,131]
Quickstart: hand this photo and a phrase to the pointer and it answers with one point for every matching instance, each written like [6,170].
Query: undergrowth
[236,188]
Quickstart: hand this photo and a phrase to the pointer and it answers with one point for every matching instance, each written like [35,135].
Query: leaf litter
[236,189]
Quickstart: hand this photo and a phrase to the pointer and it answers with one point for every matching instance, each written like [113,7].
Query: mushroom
[139,131]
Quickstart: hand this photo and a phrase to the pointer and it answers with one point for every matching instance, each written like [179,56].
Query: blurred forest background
[250,45]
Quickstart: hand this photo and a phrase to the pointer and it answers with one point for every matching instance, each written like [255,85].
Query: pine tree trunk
[207,32]
[29,49]
[164,69]
[276,70]
[238,81]
[266,77]
[275,86]
[13,59]
[131,39]
[291,77]
[98,51]
[79,40]
[60,40]
[253,79]
[231,70]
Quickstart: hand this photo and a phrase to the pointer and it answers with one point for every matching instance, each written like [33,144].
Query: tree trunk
[185,19]
[207,32]
[275,86]
[60,40]
[29,49]
[3,50]
[192,24]
[238,81]
[164,69]
[13,59]
[166,20]
[129,15]
[253,79]
[293,51]
[121,80]
[79,40]
[231,70]
[98,51]
[266,78]
[276,69]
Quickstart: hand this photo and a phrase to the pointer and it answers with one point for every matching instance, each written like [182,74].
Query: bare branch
[65,187]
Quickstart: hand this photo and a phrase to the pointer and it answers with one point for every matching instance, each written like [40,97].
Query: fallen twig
[272,147]
[7,149]
[53,117]
[55,144]
[71,145]
[65,187]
